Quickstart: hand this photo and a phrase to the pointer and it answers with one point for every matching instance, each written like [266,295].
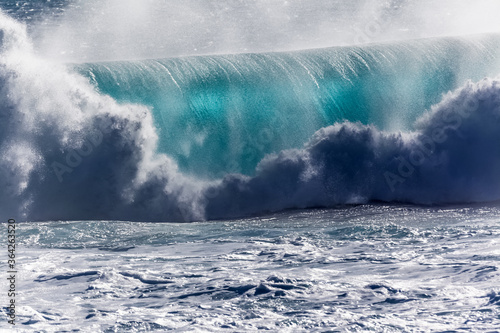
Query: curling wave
[220,114]
[70,152]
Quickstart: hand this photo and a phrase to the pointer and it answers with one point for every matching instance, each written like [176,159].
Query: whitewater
[343,188]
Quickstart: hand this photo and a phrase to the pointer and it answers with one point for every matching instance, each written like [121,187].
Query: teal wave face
[220,114]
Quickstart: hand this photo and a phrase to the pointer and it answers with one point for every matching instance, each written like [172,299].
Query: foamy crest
[68,152]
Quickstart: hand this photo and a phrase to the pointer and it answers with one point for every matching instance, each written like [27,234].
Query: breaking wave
[161,140]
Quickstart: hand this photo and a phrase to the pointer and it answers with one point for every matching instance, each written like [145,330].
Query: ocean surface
[348,188]
[390,268]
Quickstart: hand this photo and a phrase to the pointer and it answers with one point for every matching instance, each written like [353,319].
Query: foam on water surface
[361,268]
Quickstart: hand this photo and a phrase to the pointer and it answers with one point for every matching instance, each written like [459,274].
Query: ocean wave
[452,157]
[69,152]
[220,114]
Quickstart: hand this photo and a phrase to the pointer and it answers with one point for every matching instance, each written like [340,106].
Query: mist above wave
[92,30]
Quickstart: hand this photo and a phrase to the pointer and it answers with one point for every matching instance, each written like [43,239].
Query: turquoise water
[220,114]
